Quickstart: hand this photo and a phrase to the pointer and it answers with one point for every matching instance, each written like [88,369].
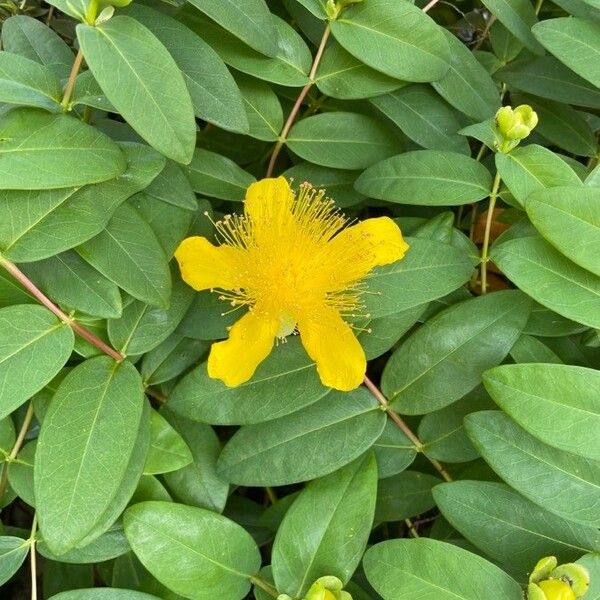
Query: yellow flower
[297,267]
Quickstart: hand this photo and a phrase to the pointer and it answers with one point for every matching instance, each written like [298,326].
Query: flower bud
[542,570]
[514,125]
[577,577]
[555,589]
[324,588]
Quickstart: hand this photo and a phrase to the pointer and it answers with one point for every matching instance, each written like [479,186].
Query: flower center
[287,325]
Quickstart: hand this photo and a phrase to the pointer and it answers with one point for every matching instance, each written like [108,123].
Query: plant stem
[403,426]
[430,5]
[264,585]
[486,234]
[43,299]
[271,495]
[411,528]
[71,81]
[296,109]
[15,449]
[33,558]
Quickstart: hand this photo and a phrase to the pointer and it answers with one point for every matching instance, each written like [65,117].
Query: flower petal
[204,266]
[250,342]
[268,198]
[380,239]
[331,343]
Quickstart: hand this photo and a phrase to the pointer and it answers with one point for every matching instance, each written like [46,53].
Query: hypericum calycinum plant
[299,300]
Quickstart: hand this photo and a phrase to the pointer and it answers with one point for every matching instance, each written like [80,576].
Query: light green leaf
[397,39]
[289,66]
[528,349]
[71,282]
[518,16]
[87,442]
[404,495]
[444,359]
[569,218]
[306,444]
[197,484]
[408,569]
[540,396]
[217,176]
[103,594]
[34,346]
[338,509]
[317,7]
[32,39]
[168,451]
[341,75]
[565,484]
[39,224]
[20,473]
[591,562]
[428,177]
[7,437]
[214,93]
[548,277]
[394,451]
[13,552]
[143,82]
[342,140]
[250,21]
[547,77]
[429,271]
[467,85]
[87,92]
[508,527]
[575,42]
[424,117]
[128,253]
[201,398]
[39,150]
[531,168]
[262,107]
[211,558]
[26,82]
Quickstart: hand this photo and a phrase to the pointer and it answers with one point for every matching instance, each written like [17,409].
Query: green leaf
[262,107]
[591,562]
[528,349]
[444,359]
[424,117]
[518,16]
[217,176]
[13,552]
[172,186]
[128,253]
[87,92]
[32,39]
[510,528]
[338,183]
[142,327]
[548,277]
[563,483]
[429,271]
[103,594]
[201,398]
[250,21]
[408,569]
[71,282]
[213,91]
[39,150]
[197,484]
[289,66]
[427,177]
[575,42]
[467,85]
[569,218]
[394,451]
[317,7]
[26,82]
[547,77]
[87,442]
[168,451]
[404,495]
[39,224]
[34,346]
[397,39]
[337,510]
[532,168]
[342,140]
[341,75]
[143,82]
[211,558]
[318,431]
[7,437]
[20,473]
[539,396]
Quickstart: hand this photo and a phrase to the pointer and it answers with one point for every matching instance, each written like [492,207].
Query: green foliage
[471,450]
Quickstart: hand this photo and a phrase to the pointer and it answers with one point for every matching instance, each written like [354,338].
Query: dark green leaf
[168,451]
[404,495]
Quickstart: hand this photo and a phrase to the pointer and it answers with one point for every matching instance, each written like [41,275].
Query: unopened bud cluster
[514,125]
[550,581]
[324,588]
[335,7]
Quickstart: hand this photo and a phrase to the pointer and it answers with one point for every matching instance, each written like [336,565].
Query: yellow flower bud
[555,589]
[576,575]
[514,125]
[544,567]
